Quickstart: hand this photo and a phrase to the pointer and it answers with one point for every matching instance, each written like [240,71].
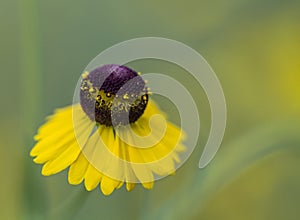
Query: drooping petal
[108,185]
[77,170]
[62,161]
[92,178]
[103,157]
[57,145]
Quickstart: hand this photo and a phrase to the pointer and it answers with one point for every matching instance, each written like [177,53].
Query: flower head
[113,95]
[112,137]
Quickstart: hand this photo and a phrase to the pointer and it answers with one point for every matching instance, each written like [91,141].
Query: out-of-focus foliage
[249,156]
[254,48]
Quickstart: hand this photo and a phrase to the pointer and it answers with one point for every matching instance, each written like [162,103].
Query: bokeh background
[254,48]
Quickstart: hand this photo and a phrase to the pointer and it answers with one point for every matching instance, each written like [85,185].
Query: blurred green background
[254,48]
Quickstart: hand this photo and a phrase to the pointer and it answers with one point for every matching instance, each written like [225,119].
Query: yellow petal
[92,178]
[77,170]
[148,185]
[130,186]
[62,161]
[108,185]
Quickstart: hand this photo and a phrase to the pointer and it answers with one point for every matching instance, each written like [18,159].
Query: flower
[114,135]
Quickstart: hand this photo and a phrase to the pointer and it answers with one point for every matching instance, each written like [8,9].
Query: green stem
[30,65]
[30,96]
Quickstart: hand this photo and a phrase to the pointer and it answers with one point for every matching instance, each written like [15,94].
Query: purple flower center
[113,95]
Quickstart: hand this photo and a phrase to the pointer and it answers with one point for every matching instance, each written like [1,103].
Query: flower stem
[30,65]
[30,101]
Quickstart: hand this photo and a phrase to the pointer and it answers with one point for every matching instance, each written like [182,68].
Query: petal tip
[148,185]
